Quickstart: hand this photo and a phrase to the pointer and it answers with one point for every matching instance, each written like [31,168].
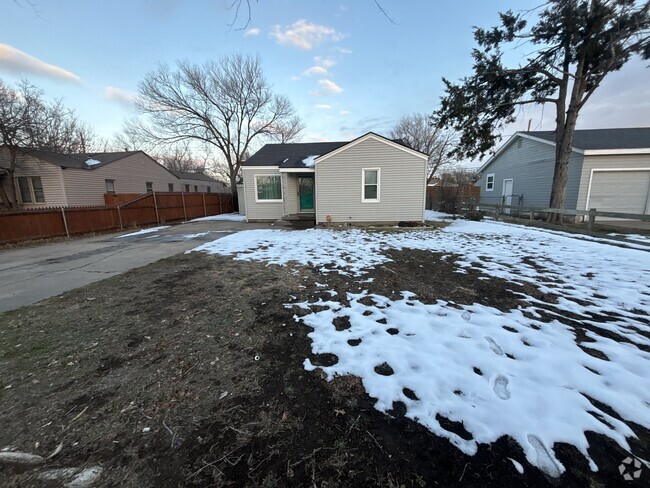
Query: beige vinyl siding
[260,210]
[402,184]
[87,187]
[618,192]
[50,174]
[179,185]
[291,198]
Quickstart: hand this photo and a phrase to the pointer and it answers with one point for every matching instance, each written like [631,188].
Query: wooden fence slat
[130,211]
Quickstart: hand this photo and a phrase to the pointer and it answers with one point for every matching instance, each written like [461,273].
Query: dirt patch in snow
[189,372]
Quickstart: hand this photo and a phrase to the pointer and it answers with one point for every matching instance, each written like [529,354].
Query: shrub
[475,215]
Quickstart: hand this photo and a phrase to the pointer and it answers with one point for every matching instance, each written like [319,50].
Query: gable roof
[588,139]
[610,141]
[292,155]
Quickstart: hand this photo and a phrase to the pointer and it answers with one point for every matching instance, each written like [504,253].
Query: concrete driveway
[30,274]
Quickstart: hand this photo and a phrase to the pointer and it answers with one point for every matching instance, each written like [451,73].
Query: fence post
[496,212]
[592,218]
[205,211]
[155,206]
[532,213]
[220,206]
[65,222]
[119,216]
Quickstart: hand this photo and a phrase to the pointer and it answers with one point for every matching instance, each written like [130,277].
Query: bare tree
[417,132]
[28,120]
[226,105]
[455,190]
[182,158]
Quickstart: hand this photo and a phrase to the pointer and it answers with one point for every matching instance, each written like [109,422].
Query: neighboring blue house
[609,170]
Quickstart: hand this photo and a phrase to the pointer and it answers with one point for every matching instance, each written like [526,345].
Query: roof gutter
[616,152]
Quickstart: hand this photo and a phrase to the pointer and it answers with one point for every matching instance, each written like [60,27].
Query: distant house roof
[78,160]
[296,154]
[590,139]
[193,176]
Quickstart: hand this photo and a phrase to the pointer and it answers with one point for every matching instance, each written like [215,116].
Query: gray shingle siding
[530,164]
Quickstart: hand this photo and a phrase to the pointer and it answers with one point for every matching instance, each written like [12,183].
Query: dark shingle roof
[290,155]
[77,160]
[632,138]
[193,176]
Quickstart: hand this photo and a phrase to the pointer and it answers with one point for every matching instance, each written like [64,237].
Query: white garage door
[621,191]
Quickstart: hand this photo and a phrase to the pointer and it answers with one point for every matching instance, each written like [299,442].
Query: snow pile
[310,161]
[144,231]
[496,373]
[229,217]
[433,216]
[92,162]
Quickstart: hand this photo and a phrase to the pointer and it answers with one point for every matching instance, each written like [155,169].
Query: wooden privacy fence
[147,209]
[591,214]
[452,198]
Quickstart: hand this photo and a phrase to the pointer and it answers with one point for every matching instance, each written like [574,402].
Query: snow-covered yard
[543,372]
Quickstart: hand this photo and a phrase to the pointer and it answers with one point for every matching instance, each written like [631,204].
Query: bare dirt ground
[189,372]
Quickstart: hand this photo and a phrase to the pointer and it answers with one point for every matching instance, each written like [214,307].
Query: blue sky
[346,68]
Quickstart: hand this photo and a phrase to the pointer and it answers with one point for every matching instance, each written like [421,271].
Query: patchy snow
[517,465]
[230,217]
[632,237]
[499,373]
[145,231]
[433,216]
[92,162]
[310,161]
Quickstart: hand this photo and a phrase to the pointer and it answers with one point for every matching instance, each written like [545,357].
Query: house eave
[616,152]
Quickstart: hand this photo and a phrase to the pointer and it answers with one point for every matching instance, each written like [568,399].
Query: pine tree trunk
[562,158]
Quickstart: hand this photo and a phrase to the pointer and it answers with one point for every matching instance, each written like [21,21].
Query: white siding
[618,193]
[402,184]
[260,210]
[50,174]
[291,197]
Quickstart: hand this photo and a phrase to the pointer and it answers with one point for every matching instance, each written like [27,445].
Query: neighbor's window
[187,188]
[110,186]
[149,186]
[208,189]
[31,189]
[170,187]
[489,182]
[370,185]
[268,188]
[196,188]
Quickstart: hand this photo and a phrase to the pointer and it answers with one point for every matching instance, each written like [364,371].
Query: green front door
[306,191]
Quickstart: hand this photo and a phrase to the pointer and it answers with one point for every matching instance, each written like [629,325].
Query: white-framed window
[208,189]
[370,185]
[268,188]
[489,182]
[170,187]
[149,185]
[110,186]
[196,188]
[31,189]
[187,188]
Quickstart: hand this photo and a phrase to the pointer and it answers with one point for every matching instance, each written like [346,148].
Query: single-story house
[609,170]
[50,179]
[370,179]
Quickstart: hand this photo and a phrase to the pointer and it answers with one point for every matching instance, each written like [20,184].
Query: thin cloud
[304,35]
[344,112]
[330,86]
[295,78]
[321,67]
[21,63]
[253,31]
[120,96]
[323,106]
[343,50]
[315,70]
